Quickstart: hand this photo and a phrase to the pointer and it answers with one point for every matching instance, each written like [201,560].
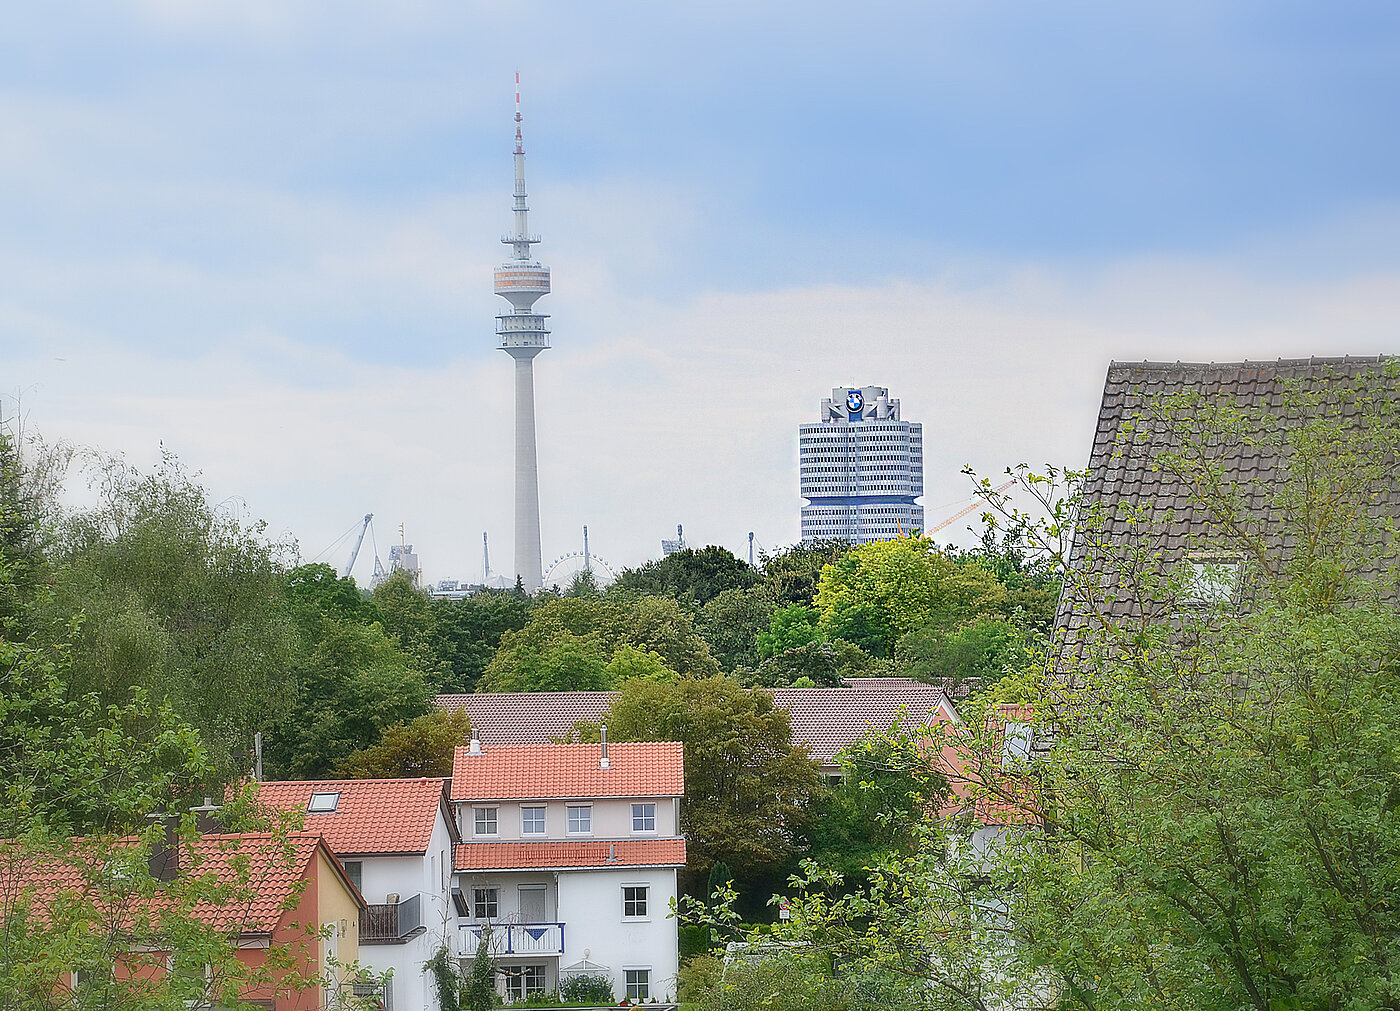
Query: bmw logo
[855,400]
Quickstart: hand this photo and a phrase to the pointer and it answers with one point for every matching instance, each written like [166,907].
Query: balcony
[392,922]
[513,938]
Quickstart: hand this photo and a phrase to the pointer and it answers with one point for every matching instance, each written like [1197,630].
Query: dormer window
[1211,580]
[323,803]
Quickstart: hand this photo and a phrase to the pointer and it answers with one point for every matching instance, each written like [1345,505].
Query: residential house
[569,863]
[1178,507]
[291,895]
[395,838]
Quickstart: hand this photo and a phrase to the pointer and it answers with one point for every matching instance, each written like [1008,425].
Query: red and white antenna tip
[517,96]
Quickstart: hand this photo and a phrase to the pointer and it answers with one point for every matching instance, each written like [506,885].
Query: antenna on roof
[603,762]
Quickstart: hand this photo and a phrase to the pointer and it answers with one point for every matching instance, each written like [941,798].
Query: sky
[260,236]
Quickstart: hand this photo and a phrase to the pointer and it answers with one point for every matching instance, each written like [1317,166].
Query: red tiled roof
[372,816]
[543,771]
[272,871]
[500,856]
[825,719]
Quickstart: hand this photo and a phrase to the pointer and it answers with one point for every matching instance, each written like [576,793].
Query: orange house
[284,902]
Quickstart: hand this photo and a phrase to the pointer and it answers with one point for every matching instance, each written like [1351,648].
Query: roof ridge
[1314,360]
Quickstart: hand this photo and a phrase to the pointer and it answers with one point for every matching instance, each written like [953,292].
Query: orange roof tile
[544,771]
[371,817]
[272,870]
[500,856]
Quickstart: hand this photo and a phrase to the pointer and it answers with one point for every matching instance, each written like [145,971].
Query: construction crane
[963,512]
[355,551]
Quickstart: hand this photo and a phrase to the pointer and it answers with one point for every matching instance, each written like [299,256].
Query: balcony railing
[391,922]
[513,938]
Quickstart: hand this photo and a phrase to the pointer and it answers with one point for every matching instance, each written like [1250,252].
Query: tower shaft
[529,562]
[523,335]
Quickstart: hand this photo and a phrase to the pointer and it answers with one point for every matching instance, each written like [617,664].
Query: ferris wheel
[562,570]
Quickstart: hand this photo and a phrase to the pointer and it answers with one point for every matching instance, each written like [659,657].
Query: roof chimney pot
[475,749]
[603,762]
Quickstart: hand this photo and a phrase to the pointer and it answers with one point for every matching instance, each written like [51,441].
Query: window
[487,903]
[634,902]
[523,980]
[1211,580]
[638,984]
[322,803]
[581,818]
[643,817]
[532,821]
[354,870]
[485,818]
[1018,741]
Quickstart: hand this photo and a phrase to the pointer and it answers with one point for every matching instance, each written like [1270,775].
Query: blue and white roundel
[855,400]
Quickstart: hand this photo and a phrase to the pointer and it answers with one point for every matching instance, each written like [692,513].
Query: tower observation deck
[523,335]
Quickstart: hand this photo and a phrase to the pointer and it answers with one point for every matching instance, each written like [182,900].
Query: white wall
[612,819]
[412,988]
[590,905]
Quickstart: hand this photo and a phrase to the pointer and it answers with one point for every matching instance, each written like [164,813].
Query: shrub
[586,988]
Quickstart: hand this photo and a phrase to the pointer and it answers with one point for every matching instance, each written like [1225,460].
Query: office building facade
[862,468]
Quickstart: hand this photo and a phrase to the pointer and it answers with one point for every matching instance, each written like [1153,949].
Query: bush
[586,988]
[694,940]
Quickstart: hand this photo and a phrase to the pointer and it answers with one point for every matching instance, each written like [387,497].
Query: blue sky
[262,234]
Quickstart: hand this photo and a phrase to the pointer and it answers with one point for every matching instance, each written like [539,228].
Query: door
[532,904]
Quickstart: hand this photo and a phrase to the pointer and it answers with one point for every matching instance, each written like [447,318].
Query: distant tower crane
[355,551]
[977,502]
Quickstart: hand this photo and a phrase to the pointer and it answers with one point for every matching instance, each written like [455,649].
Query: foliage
[792,574]
[790,628]
[179,600]
[691,577]
[888,787]
[789,979]
[815,665]
[731,622]
[587,988]
[447,979]
[980,651]
[573,644]
[481,989]
[746,785]
[880,591]
[423,746]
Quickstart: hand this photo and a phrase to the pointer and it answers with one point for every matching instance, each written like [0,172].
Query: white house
[569,862]
[395,838]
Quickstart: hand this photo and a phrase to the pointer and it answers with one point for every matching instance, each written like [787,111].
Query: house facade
[568,863]
[292,915]
[395,838]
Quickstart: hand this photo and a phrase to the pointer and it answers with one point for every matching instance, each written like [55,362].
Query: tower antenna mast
[523,335]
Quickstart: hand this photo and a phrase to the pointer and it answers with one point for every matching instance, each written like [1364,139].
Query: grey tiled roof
[824,719]
[1139,518]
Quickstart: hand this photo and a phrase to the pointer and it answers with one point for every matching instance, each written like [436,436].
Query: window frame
[479,816]
[517,974]
[355,871]
[641,905]
[640,813]
[530,809]
[636,990]
[586,821]
[494,901]
[312,806]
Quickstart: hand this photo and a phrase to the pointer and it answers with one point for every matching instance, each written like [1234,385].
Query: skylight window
[323,803]
[1211,580]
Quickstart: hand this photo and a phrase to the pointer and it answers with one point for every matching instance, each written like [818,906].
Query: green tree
[692,577]
[412,616]
[470,632]
[815,665]
[423,746]
[880,591]
[888,788]
[746,785]
[981,651]
[731,622]
[564,662]
[789,628]
[792,574]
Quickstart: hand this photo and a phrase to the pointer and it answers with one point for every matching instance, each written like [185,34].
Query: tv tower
[521,281]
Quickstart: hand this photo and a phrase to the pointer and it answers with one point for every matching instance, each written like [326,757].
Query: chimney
[603,762]
[164,859]
[612,853]
[204,816]
[475,749]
